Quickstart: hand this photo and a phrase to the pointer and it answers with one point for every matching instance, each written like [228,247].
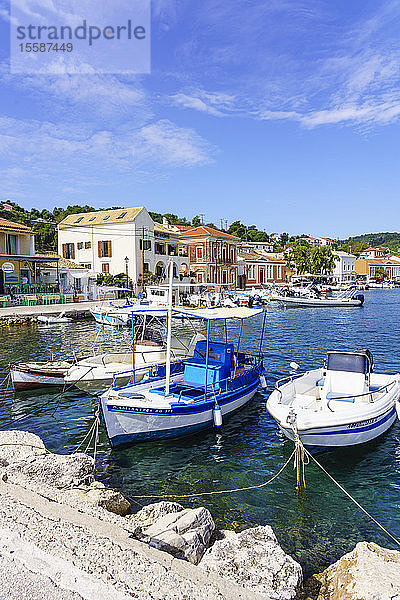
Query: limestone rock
[55,470]
[152,512]
[369,572]
[184,533]
[255,560]
[19,445]
[111,500]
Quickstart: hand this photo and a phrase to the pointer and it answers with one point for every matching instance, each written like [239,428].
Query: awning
[209,314]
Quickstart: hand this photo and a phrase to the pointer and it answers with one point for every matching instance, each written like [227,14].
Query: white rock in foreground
[19,445]
[168,526]
[255,560]
[369,572]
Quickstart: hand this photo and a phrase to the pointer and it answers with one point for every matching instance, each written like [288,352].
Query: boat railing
[142,368]
[370,393]
[283,381]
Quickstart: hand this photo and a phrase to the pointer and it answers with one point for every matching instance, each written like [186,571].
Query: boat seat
[344,385]
[305,400]
[340,397]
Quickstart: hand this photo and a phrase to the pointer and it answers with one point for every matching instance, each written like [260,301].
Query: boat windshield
[349,362]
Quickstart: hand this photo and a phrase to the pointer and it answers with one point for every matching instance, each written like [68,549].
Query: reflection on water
[248,450]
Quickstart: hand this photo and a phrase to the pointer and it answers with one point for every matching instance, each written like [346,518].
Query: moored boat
[35,375]
[343,404]
[216,381]
[312,297]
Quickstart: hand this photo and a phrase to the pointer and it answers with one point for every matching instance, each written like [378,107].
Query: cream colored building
[120,240]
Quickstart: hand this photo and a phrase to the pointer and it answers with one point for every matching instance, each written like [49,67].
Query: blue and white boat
[344,404]
[118,316]
[218,380]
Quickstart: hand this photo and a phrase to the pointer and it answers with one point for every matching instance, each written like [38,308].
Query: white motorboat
[97,373]
[218,380]
[117,316]
[343,404]
[313,298]
[35,375]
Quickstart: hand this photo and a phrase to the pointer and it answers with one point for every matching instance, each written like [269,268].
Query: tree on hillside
[354,247]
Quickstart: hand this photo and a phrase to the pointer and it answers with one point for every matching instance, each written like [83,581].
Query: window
[68,251]
[146,267]
[79,220]
[105,267]
[80,245]
[87,265]
[122,215]
[11,244]
[199,253]
[106,217]
[92,219]
[145,244]
[104,249]
[200,277]
[88,245]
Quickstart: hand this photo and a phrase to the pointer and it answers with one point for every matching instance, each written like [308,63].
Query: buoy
[263,381]
[217,415]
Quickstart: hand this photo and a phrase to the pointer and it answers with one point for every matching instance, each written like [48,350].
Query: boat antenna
[169,331]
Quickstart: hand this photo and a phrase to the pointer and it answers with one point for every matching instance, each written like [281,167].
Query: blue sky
[284,114]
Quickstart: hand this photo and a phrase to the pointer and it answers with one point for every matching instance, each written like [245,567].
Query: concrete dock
[70,309]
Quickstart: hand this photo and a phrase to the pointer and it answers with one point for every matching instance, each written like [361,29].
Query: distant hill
[387,238]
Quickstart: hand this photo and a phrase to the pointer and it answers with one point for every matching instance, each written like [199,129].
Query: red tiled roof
[4,224]
[204,230]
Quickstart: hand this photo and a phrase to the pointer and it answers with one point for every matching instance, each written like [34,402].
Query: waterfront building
[212,254]
[344,270]
[20,266]
[124,240]
[367,267]
[70,277]
[255,270]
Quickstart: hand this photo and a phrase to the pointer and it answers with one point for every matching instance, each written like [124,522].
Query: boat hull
[317,302]
[127,425]
[358,432]
[23,380]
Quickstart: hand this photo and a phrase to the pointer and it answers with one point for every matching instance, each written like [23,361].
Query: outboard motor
[250,302]
[359,297]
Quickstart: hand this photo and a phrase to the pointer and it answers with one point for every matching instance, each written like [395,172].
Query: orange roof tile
[4,224]
[204,230]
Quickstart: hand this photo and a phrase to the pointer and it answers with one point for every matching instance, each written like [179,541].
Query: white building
[319,241]
[345,267]
[248,247]
[119,241]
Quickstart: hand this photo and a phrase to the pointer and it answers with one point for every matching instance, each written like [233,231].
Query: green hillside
[358,243]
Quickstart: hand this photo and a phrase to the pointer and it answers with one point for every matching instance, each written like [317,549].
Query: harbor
[248,449]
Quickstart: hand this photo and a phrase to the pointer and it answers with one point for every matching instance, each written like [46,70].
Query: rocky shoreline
[73,537]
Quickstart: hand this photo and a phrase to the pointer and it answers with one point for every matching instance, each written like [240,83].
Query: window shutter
[63,250]
[72,251]
[99,249]
[109,249]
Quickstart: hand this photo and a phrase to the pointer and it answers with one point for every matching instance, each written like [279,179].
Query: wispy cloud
[345,73]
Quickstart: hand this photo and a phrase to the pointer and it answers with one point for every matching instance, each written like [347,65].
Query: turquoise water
[317,528]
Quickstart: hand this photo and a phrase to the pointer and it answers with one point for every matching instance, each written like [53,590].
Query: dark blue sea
[316,527]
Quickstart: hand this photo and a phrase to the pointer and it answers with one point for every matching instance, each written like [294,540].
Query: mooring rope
[231,491]
[351,497]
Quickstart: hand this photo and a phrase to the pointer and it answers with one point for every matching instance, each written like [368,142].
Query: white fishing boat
[35,375]
[216,381]
[343,404]
[97,373]
[311,297]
